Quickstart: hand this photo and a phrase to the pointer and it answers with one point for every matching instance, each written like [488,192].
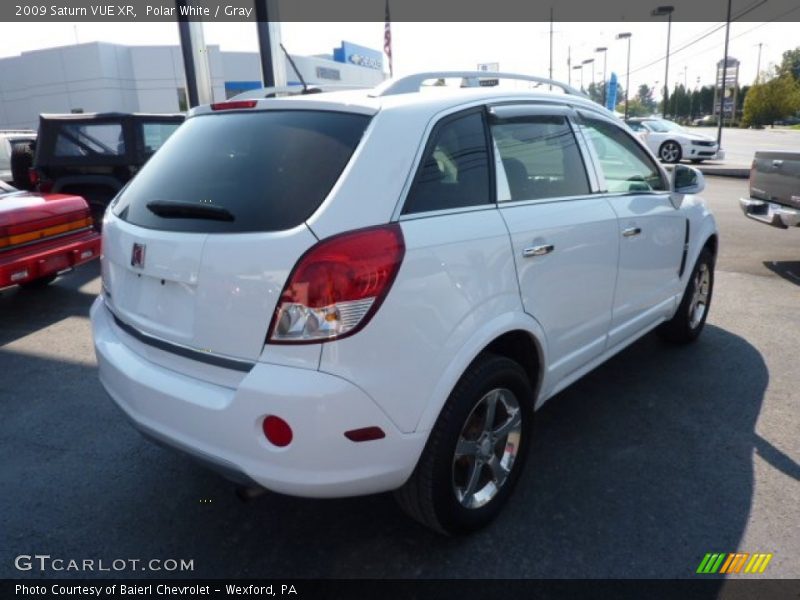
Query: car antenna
[306,90]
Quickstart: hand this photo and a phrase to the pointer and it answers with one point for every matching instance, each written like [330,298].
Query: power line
[743,33]
[713,30]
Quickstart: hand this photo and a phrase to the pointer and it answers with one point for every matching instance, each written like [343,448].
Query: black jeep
[94,155]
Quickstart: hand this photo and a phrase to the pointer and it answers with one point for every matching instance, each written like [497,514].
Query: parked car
[42,235]
[774,189]
[348,293]
[705,121]
[12,143]
[671,143]
[95,155]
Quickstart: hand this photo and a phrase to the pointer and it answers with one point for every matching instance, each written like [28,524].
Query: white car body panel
[187,282]
[583,232]
[648,268]
[456,275]
[462,284]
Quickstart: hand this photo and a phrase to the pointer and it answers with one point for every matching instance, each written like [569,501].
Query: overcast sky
[519,47]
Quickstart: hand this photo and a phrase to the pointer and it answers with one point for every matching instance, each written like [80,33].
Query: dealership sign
[358,55]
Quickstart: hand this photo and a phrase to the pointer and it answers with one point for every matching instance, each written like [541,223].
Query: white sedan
[671,143]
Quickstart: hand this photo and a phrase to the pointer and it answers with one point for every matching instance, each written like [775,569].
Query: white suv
[348,293]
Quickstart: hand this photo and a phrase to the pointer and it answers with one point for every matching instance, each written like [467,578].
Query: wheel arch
[519,337]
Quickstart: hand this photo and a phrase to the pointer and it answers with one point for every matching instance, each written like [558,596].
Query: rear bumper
[222,427]
[769,213]
[47,258]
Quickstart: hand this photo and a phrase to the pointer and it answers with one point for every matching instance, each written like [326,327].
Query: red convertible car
[42,235]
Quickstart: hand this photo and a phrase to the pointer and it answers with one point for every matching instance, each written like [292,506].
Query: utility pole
[604,50]
[758,68]
[588,61]
[195,58]
[569,65]
[660,12]
[551,46]
[724,76]
[627,36]
[273,67]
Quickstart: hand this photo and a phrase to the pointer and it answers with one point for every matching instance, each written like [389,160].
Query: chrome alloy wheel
[670,152]
[487,448]
[699,302]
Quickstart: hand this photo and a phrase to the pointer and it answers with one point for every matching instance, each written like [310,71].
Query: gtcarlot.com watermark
[46,563]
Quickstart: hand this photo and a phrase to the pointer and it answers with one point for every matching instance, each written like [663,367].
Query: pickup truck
[774,189]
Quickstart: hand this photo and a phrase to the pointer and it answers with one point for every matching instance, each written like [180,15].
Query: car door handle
[538,250]
[631,231]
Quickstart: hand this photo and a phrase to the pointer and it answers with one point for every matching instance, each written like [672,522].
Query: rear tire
[475,453]
[689,320]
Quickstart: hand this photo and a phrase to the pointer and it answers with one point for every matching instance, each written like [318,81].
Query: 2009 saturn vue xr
[353,292]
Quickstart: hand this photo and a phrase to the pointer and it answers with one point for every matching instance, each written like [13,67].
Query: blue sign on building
[354,54]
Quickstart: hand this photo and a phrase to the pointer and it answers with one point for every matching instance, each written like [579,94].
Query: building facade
[104,77]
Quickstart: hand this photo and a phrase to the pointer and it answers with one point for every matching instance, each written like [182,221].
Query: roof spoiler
[293,90]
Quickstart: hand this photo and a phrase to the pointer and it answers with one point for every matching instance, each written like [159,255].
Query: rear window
[78,139]
[269,170]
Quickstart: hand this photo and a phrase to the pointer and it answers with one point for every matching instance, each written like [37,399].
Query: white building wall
[103,77]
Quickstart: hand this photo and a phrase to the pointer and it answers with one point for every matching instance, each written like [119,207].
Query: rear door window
[540,157]
[267,170]
[454,172]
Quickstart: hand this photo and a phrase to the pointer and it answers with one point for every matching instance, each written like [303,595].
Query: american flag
[387,38]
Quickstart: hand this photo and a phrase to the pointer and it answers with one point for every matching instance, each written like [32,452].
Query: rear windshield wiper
[189,210]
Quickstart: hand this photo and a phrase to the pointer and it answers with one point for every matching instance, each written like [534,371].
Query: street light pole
[588,61]
[604,50]
[627,36]
[724,76]
[575,68]
[660,12]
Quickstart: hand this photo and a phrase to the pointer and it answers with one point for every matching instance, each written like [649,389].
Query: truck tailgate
[775,177]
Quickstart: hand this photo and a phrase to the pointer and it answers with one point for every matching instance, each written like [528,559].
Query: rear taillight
[33,176]
[337,286]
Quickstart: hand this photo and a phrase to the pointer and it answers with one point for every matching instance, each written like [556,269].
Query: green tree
[772,100]
[790,64]
[645,98]
[595,92]
[707,99]
[635,108]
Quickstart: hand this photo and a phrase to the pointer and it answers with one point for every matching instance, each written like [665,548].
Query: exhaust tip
[246,493]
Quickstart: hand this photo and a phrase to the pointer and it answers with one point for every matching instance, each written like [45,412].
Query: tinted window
[454,172]
[540,157]
[626,166]
[76,139]
[269,169]
[155,134]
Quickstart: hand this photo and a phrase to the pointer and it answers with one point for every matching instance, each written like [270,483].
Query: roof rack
[412,83]
[294,90]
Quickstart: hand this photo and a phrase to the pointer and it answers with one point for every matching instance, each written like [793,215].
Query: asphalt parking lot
[654,459]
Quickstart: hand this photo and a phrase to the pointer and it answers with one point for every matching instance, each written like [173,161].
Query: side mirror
[687,180]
